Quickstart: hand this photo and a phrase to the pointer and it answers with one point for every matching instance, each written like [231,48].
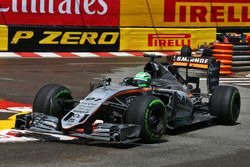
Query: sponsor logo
[64,7]
[191,60]
[204,11]
[60,12]
[168,40]
[67,38]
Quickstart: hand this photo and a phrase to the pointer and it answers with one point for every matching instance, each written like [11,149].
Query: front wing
[120,133]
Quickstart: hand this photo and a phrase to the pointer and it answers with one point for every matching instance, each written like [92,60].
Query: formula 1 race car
[132,110]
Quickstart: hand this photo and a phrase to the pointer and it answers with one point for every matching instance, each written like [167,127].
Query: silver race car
[142,107]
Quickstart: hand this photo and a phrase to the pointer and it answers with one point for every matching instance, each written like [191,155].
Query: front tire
[148,112]
[225,104]
[50,100]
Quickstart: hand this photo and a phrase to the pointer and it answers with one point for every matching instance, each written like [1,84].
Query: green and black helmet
[142,79]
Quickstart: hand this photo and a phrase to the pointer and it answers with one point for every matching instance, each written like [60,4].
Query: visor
[141,83]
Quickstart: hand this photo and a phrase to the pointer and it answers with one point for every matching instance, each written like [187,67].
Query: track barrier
[233,57]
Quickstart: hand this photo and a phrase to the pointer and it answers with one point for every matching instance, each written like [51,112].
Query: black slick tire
[49,100]
[225,104]
[148,112]
[186,51]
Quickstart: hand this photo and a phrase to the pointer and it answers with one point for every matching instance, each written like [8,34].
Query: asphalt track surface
[206,144]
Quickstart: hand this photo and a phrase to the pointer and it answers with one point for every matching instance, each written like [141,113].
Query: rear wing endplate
[201,63]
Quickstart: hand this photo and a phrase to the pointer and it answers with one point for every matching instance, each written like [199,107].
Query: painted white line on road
[20,109]
[243,84]
[232,79]
[9,55]
[7,79]
[229,79]
[155,53]
[85,54]
[47,54]
[122,54]
[12,135]
[7,111]
[10,79]
[79,54]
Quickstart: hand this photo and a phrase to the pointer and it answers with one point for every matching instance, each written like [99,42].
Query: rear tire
[225,104]
[148,112]
[186,51]
[49,100]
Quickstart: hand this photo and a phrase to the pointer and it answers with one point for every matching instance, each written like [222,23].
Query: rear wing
[191,62]
[209,64]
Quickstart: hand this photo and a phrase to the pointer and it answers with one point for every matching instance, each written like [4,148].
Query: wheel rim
[57,107]
[156,120]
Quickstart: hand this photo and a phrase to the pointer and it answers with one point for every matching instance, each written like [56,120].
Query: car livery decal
[91,104]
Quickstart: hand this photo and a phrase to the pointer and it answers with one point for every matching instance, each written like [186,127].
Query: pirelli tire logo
[38,39]
[222,12]
[169,40]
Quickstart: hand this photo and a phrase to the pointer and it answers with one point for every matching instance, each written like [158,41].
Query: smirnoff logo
[168,40]
[192,60]
[90,7]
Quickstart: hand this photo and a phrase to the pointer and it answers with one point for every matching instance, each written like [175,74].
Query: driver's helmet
[142,79]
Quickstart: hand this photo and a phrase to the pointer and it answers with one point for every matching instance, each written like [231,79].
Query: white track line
[7,111]
[7,79]
[85,54]
[232,79]
[47,54]
[122,54]
[9,55]
[243,84]
[156,53]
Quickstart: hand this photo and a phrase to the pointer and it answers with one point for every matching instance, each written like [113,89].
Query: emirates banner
[60,12]
[164,39]
[185,13]
[142,13]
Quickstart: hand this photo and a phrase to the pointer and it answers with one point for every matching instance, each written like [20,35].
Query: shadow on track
[194,127]
[178,131]
[102,144]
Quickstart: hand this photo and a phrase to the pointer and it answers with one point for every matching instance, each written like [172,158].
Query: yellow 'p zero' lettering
[71,38]
[90,37]
[22,35]
[108,38]
[50,39]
